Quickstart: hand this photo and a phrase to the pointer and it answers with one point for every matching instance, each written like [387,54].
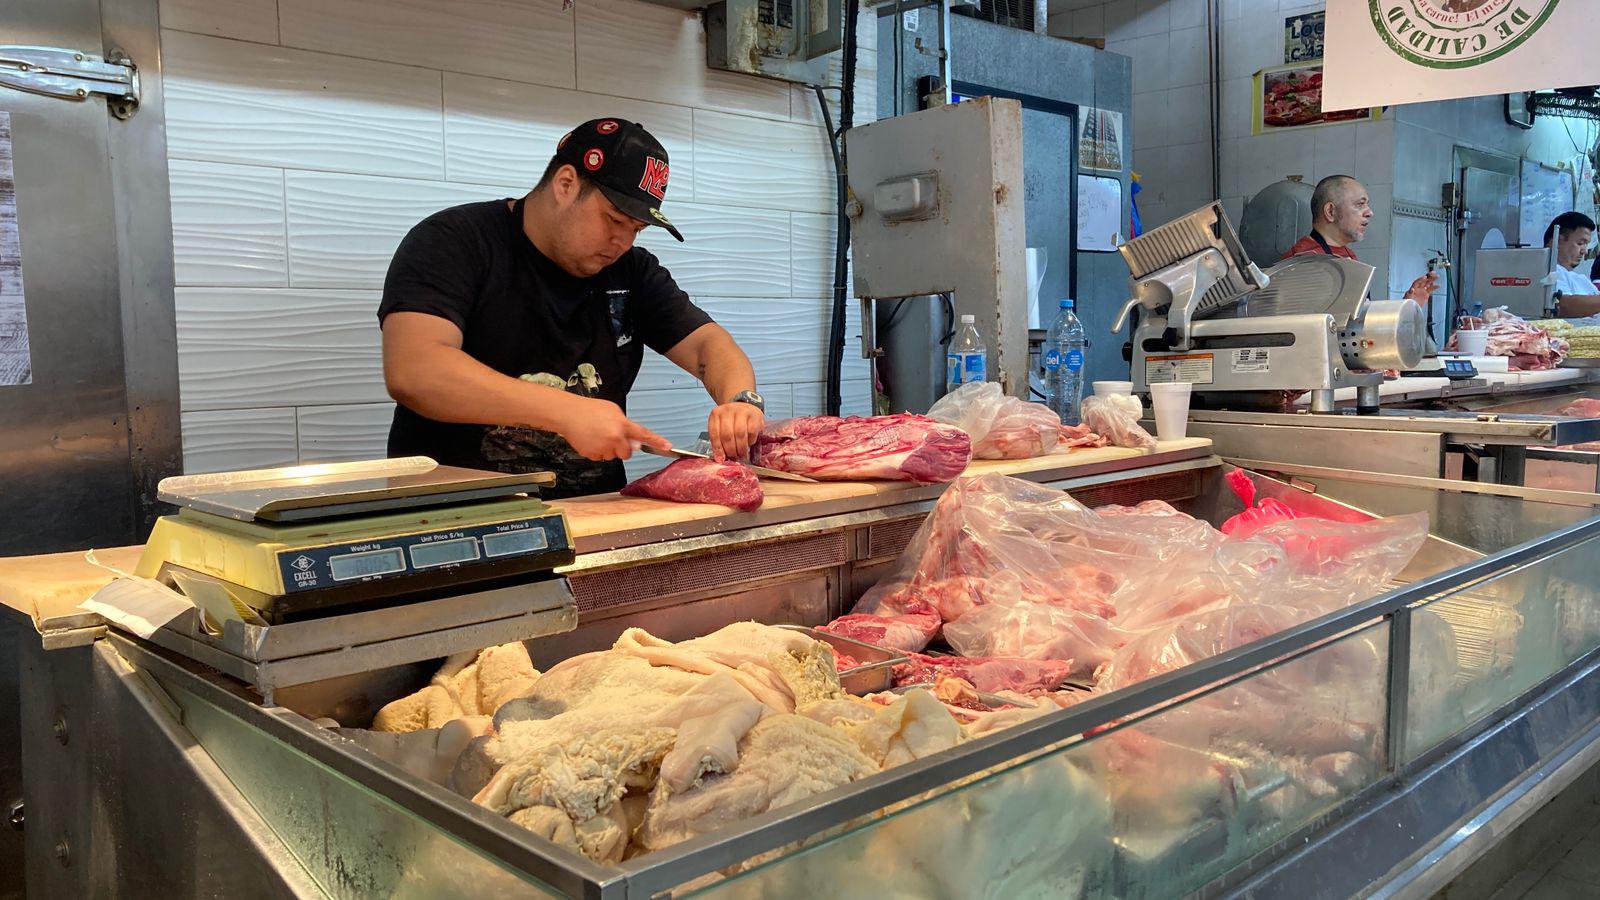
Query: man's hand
[1423,287]
[600,431]
[733,428]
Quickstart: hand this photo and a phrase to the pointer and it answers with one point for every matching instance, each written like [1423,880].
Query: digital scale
[307,541]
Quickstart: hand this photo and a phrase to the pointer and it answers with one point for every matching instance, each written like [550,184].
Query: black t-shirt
[522,315]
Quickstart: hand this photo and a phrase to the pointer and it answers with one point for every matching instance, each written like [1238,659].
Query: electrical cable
[841,249]
[1214,55]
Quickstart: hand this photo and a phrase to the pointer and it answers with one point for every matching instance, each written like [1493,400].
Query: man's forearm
[447,385]
[717,361]
[1578,306]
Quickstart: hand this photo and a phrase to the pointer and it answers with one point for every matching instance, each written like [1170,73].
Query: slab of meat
[989,674]
[1583,408]
[1001,427]
[701,481]
[903,447]
[1080,436]
[909,631]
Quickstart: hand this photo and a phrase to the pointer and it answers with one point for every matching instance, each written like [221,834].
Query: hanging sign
[1382,52]
[1302,37]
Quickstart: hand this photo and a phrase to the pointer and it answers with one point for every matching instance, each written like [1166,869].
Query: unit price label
[1252,359]
[1195,368]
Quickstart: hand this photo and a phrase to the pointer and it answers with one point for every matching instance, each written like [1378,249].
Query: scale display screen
[366,565]
[443,553]
[524,541]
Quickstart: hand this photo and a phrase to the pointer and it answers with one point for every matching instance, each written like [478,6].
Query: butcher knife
[763,471]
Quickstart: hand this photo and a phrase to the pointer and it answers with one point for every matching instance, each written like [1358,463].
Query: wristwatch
[750,397]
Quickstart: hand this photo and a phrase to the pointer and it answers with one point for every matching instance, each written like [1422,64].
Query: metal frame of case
[1553,722]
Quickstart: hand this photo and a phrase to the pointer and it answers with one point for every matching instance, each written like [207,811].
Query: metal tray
[876,672]
[1585,362]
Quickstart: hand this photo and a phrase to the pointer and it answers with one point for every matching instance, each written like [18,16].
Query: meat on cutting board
[902,447]
[701,481]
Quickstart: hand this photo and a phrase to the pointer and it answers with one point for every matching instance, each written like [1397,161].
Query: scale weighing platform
[309,572]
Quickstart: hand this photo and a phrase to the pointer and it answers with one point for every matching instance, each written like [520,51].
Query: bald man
[1340,213]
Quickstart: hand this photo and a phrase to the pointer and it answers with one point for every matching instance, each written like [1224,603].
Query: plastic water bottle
[967,360]
[1063,364]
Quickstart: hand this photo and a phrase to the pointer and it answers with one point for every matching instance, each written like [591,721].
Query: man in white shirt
[1572,231]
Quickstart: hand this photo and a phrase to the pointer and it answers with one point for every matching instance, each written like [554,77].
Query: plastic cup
[1171,405]
[1473,343]
[1113,388]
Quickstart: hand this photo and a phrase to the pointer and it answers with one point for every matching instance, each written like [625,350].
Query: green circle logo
[1457,34]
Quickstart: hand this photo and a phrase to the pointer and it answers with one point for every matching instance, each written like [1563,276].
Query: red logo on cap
[593,158]
[563,142]
[655,178]
[606,127]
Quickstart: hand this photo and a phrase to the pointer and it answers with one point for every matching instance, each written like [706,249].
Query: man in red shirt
[1340,212]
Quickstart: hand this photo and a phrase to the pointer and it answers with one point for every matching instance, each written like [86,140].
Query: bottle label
[962,368]
[1074,360]
[1052,359]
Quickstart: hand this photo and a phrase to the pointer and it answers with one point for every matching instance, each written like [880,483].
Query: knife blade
[763,471]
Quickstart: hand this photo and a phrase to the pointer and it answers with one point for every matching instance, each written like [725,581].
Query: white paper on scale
[1385,52]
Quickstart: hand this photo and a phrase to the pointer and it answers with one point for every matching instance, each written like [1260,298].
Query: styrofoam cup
[1171,405]
[1473,343]
[1112,388]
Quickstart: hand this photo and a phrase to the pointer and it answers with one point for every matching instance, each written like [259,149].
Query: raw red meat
[908,631]
[1583,408]
[1256,516]
[1081,436]
[842,661]
[1001,427]
[903,447]
[701,481]
[1529,347]
[989,675]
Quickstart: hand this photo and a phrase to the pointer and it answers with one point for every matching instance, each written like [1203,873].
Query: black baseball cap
[626,162]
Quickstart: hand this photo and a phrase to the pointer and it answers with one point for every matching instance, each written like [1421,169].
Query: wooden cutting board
[44,587]
[604,514]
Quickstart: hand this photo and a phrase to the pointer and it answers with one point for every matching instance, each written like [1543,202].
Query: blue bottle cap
[1066,303]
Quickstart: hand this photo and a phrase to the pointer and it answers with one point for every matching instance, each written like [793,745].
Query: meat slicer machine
[311,572]
[1246,338]
[1251,342]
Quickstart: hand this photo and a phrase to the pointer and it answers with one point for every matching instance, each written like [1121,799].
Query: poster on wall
[1302,37]
[16,365]
[1099,213]
[1099,140]
[1291,97]
[1383,52]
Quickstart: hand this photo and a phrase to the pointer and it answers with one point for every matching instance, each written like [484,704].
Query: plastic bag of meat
[701,481]
[1001,427]
[908,631]
[1256,516]
[902,447]
[1025,676]
[1116,417]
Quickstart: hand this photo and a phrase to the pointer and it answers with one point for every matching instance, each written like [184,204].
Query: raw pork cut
[1001,427]
[1081,436]
[988,675]
[903,447]
[1583,408]
[910,630]
[701,481]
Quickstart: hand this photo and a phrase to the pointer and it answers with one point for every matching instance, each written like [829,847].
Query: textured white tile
[1120,20]
[227,224]
[1375,151]
[679,415]
[1335,151]
[782,336]
[1189,114]
[505,133]
[1150,120]
[813,254]
[228,439]
[632,49]
[1187,13]
[1190,57]
[513,39]
[252,347]
[745,161]
[810,399]
[727,252]
[247,20]
[1379,230]
[343,229]
[1152,62]
[1237,108]
[229,101]
[338,433]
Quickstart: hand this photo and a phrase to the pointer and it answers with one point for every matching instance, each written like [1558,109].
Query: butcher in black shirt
[513,329]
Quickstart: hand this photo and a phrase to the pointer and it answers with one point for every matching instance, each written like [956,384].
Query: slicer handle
[1123,313]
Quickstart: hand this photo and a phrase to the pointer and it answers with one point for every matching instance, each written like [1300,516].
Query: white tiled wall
[307,136]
